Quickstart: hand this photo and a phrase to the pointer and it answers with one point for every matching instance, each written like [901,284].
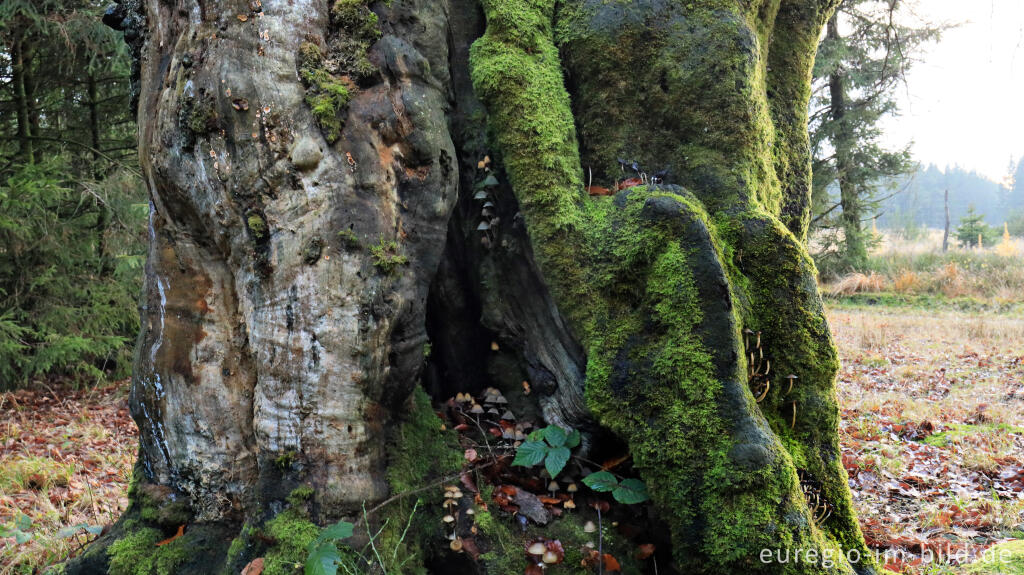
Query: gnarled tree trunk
[313,168]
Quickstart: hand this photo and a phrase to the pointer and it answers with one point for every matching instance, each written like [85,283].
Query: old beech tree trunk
[316,264]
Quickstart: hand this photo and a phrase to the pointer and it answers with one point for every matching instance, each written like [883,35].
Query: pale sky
[964,103]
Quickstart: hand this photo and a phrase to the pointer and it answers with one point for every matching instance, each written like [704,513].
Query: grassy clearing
[65,460]
[933,403]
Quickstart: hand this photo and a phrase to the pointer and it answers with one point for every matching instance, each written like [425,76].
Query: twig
[594,463]
[372,537]
[394,552]
[482,432]
[600,543]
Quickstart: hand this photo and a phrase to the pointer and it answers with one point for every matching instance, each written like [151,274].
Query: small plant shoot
[323,556]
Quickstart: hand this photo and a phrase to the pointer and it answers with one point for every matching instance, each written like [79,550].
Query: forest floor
[932,430]
[66,458]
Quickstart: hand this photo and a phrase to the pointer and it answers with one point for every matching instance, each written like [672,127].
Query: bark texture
[318,183]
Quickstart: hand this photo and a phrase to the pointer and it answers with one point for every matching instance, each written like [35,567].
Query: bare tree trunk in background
[945,233]
[313,168]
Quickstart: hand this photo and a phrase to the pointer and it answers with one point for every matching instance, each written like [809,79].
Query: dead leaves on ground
[930,444]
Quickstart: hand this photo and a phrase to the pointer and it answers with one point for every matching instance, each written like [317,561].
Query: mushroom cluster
[545,552]
[758,367]
[452,496]
[488,211]
[813,492]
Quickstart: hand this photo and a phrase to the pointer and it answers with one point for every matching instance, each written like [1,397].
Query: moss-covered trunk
[334,184]
[695,300]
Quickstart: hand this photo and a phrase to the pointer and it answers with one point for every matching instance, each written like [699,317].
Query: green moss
[300,495]
[257,227]
[160,506]
[419,452]
[386,256]
[202,117]
[291,532]
[285,460]
[236,548]
[132,554]
[326,96]
[657,290]
[137,553]
[349,240]
[312,249]
[356,18]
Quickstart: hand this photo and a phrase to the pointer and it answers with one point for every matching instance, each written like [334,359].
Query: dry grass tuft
[858,283]
[907,282]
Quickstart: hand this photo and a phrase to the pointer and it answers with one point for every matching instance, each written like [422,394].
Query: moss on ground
[291,532]
[419,452]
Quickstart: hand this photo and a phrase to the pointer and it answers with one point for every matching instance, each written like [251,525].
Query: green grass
[924,302]
[960,432]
